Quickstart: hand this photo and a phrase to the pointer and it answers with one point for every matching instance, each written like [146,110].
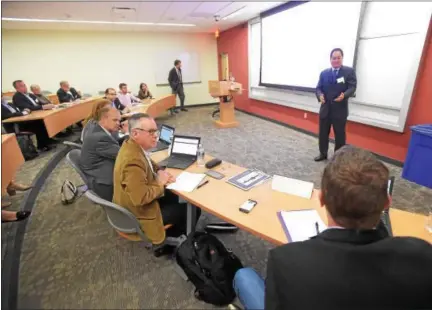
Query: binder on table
[301,225]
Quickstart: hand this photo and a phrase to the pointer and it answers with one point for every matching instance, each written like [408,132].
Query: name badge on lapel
[340,80]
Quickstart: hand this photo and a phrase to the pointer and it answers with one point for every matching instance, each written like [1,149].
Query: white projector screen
[296,42]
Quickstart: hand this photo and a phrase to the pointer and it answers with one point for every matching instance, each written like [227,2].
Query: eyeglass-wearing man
[139,184]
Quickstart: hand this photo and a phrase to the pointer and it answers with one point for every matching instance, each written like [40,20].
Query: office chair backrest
[119,218]
[73,158]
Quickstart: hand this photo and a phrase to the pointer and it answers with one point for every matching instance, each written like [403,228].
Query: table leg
[191,219]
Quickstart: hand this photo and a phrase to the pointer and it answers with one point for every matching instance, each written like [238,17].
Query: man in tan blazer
[139,184]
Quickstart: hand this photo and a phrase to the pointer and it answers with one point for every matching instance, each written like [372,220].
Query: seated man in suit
[9,110]
[67,93]
[23,100]
[126,98]
[38,96]
[99,152]
[139,184]
[111,95]
[351,264]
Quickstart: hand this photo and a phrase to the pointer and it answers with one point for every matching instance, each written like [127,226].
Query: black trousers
[104,191]
[174,213]
[37,127]
[180,93]
[325,124]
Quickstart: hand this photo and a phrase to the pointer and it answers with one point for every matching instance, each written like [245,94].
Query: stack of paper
[187,182]
[301,225]
[292,186]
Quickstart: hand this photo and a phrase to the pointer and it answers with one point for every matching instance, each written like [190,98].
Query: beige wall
[93,61]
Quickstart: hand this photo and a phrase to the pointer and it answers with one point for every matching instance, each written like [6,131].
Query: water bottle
[200,156]
[171,143]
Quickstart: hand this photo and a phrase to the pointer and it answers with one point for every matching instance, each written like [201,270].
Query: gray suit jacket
[90,126]
[98,155]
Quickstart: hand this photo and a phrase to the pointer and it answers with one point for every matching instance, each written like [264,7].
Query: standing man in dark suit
[335,86]
[67,93]
[352,264]
[23,100]
[175,80]
[99,152]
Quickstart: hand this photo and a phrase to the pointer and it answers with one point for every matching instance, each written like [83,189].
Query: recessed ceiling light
[92,22]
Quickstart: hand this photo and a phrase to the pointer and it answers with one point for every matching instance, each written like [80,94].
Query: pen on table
[317,228]
[202,184]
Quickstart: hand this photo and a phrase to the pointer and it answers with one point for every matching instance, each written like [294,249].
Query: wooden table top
[223,200]
[41,114]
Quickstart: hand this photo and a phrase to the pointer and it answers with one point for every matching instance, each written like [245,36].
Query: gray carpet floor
[72,259]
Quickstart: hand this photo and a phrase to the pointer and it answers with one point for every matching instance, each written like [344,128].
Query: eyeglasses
[154,132]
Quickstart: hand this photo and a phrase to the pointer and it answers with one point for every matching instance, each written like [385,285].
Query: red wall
[391,144]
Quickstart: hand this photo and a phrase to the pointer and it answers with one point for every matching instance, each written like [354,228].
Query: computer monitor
[166,134]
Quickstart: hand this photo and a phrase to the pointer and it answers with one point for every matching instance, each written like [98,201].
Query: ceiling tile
[177,11]
[152,11]
[209,8]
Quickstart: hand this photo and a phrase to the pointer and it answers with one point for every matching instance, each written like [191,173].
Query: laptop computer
[183,152]
[166,133]
[385,215]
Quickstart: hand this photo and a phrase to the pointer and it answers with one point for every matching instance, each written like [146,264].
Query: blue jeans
[250,288]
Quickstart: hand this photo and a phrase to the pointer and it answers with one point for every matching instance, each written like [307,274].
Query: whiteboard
[190,66]
[384,69]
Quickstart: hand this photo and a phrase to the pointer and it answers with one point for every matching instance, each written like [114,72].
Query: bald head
[109,119]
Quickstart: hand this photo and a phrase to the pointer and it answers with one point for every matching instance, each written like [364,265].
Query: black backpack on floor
[27,147]
[210,267]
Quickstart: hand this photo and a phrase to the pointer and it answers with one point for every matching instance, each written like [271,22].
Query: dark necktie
[335,73]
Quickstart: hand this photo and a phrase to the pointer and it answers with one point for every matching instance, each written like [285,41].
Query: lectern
[225,91]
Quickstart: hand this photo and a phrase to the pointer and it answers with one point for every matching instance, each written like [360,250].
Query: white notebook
[292,186]
[186,181]
[301,225]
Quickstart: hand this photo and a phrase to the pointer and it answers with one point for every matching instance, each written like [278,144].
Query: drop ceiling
[200,14]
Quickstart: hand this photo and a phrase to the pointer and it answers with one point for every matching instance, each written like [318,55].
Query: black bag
[27,147]
[210,267]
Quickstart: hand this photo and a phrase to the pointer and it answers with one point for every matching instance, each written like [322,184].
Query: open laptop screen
[166,134]
[185,145]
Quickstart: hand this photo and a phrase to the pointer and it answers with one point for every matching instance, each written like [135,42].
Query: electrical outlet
[305,115]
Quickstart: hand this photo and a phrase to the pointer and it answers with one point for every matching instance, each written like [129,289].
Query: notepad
[300,225]
[187,182]
[292,186]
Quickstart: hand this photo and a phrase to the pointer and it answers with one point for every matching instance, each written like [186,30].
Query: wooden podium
[225,90]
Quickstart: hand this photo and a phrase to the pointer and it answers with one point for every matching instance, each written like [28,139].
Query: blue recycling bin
[418,163]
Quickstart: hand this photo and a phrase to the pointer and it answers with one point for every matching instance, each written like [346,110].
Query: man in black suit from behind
[67,93]
[335,86]
[352,264]
[175,80]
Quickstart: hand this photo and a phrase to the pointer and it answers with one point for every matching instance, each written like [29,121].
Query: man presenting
[175,80]
[335,86]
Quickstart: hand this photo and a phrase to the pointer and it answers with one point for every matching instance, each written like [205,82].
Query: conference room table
[153,107]
[223,200]
[59,118]
[12,159]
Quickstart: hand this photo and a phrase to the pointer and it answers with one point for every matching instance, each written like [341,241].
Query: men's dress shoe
[6,204]
[184,109]
[20,215]
[163,249]
[19,187]
[320,157]
[46,148]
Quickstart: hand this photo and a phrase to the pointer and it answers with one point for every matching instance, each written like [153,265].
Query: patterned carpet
[72,259]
